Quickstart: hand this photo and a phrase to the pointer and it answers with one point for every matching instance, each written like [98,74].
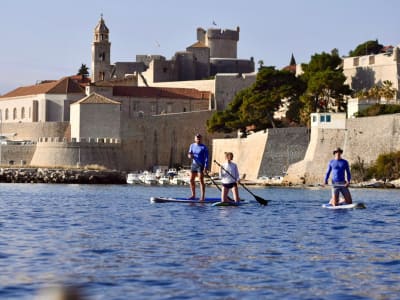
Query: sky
[49,39]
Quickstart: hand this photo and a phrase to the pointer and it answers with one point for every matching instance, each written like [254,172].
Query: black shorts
[196,168]
[229,185]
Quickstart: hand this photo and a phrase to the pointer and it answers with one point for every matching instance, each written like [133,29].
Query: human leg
[192,185]
[235,192]
[346,194]
[224,194]
[335,196]
[202,186]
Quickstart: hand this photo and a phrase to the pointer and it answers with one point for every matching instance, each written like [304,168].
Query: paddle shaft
[259,199]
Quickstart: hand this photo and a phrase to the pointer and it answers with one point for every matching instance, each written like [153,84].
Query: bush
[386,167]
[379,109]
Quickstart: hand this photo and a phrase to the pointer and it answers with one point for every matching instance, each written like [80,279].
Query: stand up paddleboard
[230,203]
[345,206]
[183,200]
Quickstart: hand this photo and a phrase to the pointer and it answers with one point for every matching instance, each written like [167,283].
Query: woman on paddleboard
[229,175]
[198,152]
[339,168]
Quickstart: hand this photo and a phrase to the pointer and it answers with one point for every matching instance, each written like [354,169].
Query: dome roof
[101,27]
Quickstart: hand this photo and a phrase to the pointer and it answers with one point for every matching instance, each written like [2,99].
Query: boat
[148,178]
[172,172]
[163,180]
[133,178]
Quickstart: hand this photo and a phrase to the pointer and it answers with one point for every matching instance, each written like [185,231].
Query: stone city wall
[265,153]
[364,139]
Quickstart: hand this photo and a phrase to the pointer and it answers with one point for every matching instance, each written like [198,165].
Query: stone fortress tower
[222,43]
[101,53]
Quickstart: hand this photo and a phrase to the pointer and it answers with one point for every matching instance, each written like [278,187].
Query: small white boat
[148,178]
[172,172]
[163,180]
[133,178]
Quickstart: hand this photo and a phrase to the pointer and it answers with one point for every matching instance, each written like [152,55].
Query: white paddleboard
[359,205]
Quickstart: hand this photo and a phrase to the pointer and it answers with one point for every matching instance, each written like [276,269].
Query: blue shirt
[338,167]
[200,154]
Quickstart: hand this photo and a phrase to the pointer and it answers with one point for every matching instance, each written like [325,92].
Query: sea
[111,242]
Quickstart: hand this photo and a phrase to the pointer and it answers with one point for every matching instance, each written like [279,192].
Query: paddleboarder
[198,152]
[340,170]
[229,175]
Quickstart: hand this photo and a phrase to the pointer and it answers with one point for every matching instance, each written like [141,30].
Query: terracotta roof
[95,98]
[65,85]
[157,92]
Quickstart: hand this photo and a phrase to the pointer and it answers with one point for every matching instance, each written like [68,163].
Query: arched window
[6,116]
[23,113]
[1,115]
[14,113]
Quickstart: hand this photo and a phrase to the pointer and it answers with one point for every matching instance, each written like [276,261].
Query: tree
[325,85]
[366,48]
[84,71]
[256,105]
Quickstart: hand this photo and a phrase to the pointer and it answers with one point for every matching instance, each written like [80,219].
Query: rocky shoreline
[68,176]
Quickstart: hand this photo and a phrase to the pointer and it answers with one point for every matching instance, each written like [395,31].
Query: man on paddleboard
[340,170]
[198,152]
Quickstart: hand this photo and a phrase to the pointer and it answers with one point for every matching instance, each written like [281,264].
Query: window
[169,107]
[372,59]
[328,118]
[14,113]
[322,118]
[6,116]
[23,113]
[356,61]
[314,119]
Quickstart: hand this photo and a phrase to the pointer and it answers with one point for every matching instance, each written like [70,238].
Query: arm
[328,173]
[348,174]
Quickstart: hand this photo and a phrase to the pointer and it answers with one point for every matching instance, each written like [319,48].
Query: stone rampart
[363,139]
[265,153]
[52,152]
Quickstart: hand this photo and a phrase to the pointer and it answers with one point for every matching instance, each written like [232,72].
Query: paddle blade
[261,200]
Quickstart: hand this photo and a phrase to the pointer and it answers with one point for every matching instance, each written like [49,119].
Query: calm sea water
[114,243]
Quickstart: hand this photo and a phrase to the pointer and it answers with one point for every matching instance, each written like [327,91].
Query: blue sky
[48,39]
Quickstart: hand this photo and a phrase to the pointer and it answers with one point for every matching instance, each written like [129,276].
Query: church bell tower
[101,48]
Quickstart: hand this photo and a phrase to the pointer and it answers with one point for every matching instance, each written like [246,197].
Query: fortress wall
[368,137]
[363,139]
[228,85]
[33,131]
[19,154]
[162,140]
[248,153]
[50,154]
[285,146]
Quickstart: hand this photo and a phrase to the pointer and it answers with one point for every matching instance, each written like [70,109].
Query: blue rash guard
[200,155]
[338,167]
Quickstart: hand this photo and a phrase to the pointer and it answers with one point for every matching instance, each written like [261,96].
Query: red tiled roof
[65,85]
[157,92]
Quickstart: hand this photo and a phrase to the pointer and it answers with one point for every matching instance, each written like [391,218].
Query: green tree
[84,71]
[366,48]
[256,105]
[325,85]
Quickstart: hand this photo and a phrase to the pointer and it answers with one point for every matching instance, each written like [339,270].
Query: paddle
[258,198]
